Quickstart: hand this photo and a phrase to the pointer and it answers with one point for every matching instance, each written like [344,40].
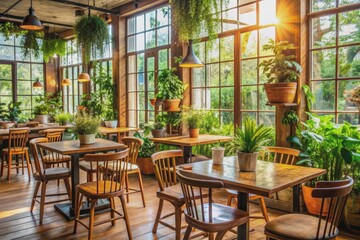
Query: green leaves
[169,86]
[86,124]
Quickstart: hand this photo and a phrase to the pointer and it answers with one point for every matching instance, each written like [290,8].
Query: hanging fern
[91,33]
[193,19]
[9,29]
[52,44]
[30,44]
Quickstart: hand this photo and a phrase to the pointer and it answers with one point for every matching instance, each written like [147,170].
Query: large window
[17,74]
[334,58]
[148,52]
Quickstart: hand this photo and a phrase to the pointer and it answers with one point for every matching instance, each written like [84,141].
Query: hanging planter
[52,45]
[91,33]
[30,43]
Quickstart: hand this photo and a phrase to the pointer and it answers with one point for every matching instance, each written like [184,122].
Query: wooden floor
[16,222]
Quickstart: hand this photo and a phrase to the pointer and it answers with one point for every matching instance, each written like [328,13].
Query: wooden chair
[278,155]
[56,135]
[17,147]
[43,175]
[202,213]
[134,145]
[110,176]
[165,171]
[301,226]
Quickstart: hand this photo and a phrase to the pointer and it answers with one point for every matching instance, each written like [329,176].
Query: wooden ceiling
[54,11]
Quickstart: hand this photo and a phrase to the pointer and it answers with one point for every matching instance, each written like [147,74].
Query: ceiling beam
[20,19]
[130,8]
[11,7]
[85,6]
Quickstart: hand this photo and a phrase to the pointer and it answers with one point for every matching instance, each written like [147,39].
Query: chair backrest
[54,135]
[110,169]
[334,195]
[197,193]
[37,157]
[281,155]
[18,139]
[164,164]
[134,145]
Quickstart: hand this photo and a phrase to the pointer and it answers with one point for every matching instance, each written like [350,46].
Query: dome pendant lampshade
[66,82]
[84,77]
[191,60]
[37,84]
[31,22]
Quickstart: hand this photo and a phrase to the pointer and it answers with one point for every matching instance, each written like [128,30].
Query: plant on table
[282,72]
[86,126]
[63,118]
[248,141]
[192,119]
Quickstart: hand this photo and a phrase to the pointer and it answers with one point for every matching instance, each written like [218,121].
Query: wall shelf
[282,104]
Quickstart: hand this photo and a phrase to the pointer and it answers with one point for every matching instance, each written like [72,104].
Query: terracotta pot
[352,214]
[87,139]
[152,101]
[158,133]
[111,124]
[281,92]
[158,102]
[171,105]
[194,133]
[313,205]
[145,165]
[247,161]
[217,155]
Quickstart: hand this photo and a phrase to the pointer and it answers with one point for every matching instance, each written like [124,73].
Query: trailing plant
[310,97]
[250,138]
[12,113]
[30,43]
[191,118]
[281,67]
[147,148]
[85,124]
[9,29]
[193,19]
[52,45]
[290,117]
[169,86]
[63,118]
[91,33]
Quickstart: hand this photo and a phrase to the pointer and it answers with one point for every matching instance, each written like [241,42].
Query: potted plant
[41,113]
[192,119]
[63,118]
[248,141]
[111,116]
[86,127]
[157,129]
[144,157]
[170,89]
[282,72]
[11,115]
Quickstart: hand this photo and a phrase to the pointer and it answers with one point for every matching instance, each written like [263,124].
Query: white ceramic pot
[87,139]
[247,161]
[218,155]
[111,124]
[42,119]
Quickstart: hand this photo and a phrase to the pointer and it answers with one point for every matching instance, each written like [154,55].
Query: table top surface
[74,147]
[266,180]
[106,130]
[38,128]
[187,141]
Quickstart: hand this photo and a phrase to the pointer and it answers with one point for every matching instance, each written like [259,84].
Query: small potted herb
[157,129]
[192,119]
[63,118]
[86,127]
[111,118]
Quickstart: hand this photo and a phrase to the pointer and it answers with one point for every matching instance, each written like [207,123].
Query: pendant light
[31,22]
[66,81]
[84,77]
[191,60]
[37,84]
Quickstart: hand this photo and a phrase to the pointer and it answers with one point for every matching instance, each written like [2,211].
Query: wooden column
[51,73]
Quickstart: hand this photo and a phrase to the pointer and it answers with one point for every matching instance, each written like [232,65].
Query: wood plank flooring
[16,221]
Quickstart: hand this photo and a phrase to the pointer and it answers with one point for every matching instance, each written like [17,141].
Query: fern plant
[52,45]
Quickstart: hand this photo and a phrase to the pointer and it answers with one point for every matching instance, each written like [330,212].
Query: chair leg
[68,188]
[28,163]
[42,200]
[22,163]
[2,165]
[177,223]
[211,236]
[158,215]
[141,188]
[187,232]
[9,165]
[126,217]
[112,214]
[220,235]
[78,201]
[36,190]
[91,218]
[264,209]
[127,187]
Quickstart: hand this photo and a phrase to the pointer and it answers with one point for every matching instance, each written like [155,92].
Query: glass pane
[163,36]
[6,99]
[349,27]
[267,118]
[198,98]
[150,64]
[131,44]
[262,76]
[344,2]
[264,36]
[249,44]
[247,15]
[199,49]
[212,74]
[131,82]
[23,71]
[249,96]
[37,72]
[198,77]
[323,32]
[249,71]
[227,98]
[163,59]
[263,99]
[267,12]
[345,87]
[227,118]
[151,95]
[323,64]
[132,118]
[25,102]
[141,116]
[140,42]
[6,52]
[5,71]
[5,41]
[227,48]
[140,23]
[151,81]
[251,115]
[131,100]
[5,88]
[150,39]
[324,92]
[214,98]
[131,64]
[20,56]
[212,50]
[322,4]
[150,20]
[349,63]
[140,82]
[163,16]
[352,118]
[229,20]
[140,62]
[141,101]
[131,26]
[227,74]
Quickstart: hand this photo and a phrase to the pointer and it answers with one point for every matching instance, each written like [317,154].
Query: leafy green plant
[63,118]
[12,113]
[48,104]
[85,124]
[148,127]
[191,118]
[41,109]
[281,67]
[2,111]
[169,86]
[169,118]
[250,138]
[290,117]
[148,147]
[91,33]
[9,29]
[310,97]
[52,45]
[192,17]
[30,43]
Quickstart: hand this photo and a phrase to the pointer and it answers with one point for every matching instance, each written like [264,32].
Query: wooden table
[268,179]
[74,149]
[187,143]
[119,131]
[34,131]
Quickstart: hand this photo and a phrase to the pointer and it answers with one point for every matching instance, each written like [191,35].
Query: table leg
[296,198]
[243,204]
[75,179]
[187,154]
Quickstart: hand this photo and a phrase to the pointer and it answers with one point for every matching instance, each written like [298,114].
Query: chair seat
[296,227]
[53,173]
[251,195]
[56,158]
[175,195]
[222,216]
[86,166]
[15,150]
[101,189]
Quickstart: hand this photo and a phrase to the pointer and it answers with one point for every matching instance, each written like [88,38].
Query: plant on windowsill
[170,90]
[144,157]
[192,119]
[248,141]
[86,126]
[156,128]
[282,72]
